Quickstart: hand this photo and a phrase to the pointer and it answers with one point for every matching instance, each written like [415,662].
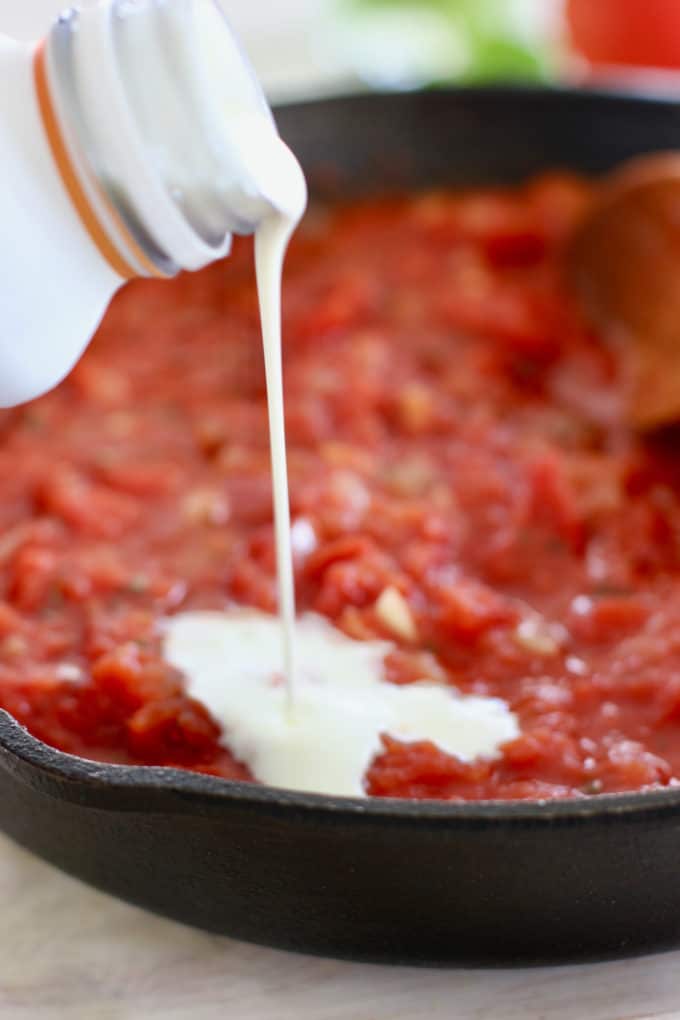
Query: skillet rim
[135,787]
[64,776]
[653,95]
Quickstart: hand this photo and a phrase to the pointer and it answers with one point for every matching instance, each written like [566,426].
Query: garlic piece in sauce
[395,614]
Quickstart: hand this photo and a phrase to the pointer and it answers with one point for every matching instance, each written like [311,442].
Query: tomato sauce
[455,433]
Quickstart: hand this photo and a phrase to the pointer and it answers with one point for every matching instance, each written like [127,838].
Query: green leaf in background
[497,58]
[468,40]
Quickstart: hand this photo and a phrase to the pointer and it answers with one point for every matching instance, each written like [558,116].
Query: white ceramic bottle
[134,141]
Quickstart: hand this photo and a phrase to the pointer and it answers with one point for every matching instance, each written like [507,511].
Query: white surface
[69,953]
[324,737]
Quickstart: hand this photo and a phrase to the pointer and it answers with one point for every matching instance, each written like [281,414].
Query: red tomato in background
[642,33]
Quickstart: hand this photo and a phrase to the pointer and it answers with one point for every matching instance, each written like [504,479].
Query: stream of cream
[270,249]
[300,703]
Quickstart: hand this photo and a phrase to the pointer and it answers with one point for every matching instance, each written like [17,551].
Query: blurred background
[312,47]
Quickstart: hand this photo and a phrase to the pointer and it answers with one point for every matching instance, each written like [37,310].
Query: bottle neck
[160,131]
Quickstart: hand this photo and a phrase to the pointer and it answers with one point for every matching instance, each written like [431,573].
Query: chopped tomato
[457,487]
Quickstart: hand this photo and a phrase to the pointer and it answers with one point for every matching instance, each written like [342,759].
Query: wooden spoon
[624,261]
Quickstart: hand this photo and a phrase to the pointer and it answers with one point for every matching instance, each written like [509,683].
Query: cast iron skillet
[387,881]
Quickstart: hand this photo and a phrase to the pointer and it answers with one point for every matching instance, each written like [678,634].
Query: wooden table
[69,953]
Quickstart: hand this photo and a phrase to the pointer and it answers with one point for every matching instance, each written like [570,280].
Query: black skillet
[387,881]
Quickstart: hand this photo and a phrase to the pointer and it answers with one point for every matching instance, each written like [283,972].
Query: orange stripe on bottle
[77,193]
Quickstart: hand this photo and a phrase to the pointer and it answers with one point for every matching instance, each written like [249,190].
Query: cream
[326,740]
[271,241]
